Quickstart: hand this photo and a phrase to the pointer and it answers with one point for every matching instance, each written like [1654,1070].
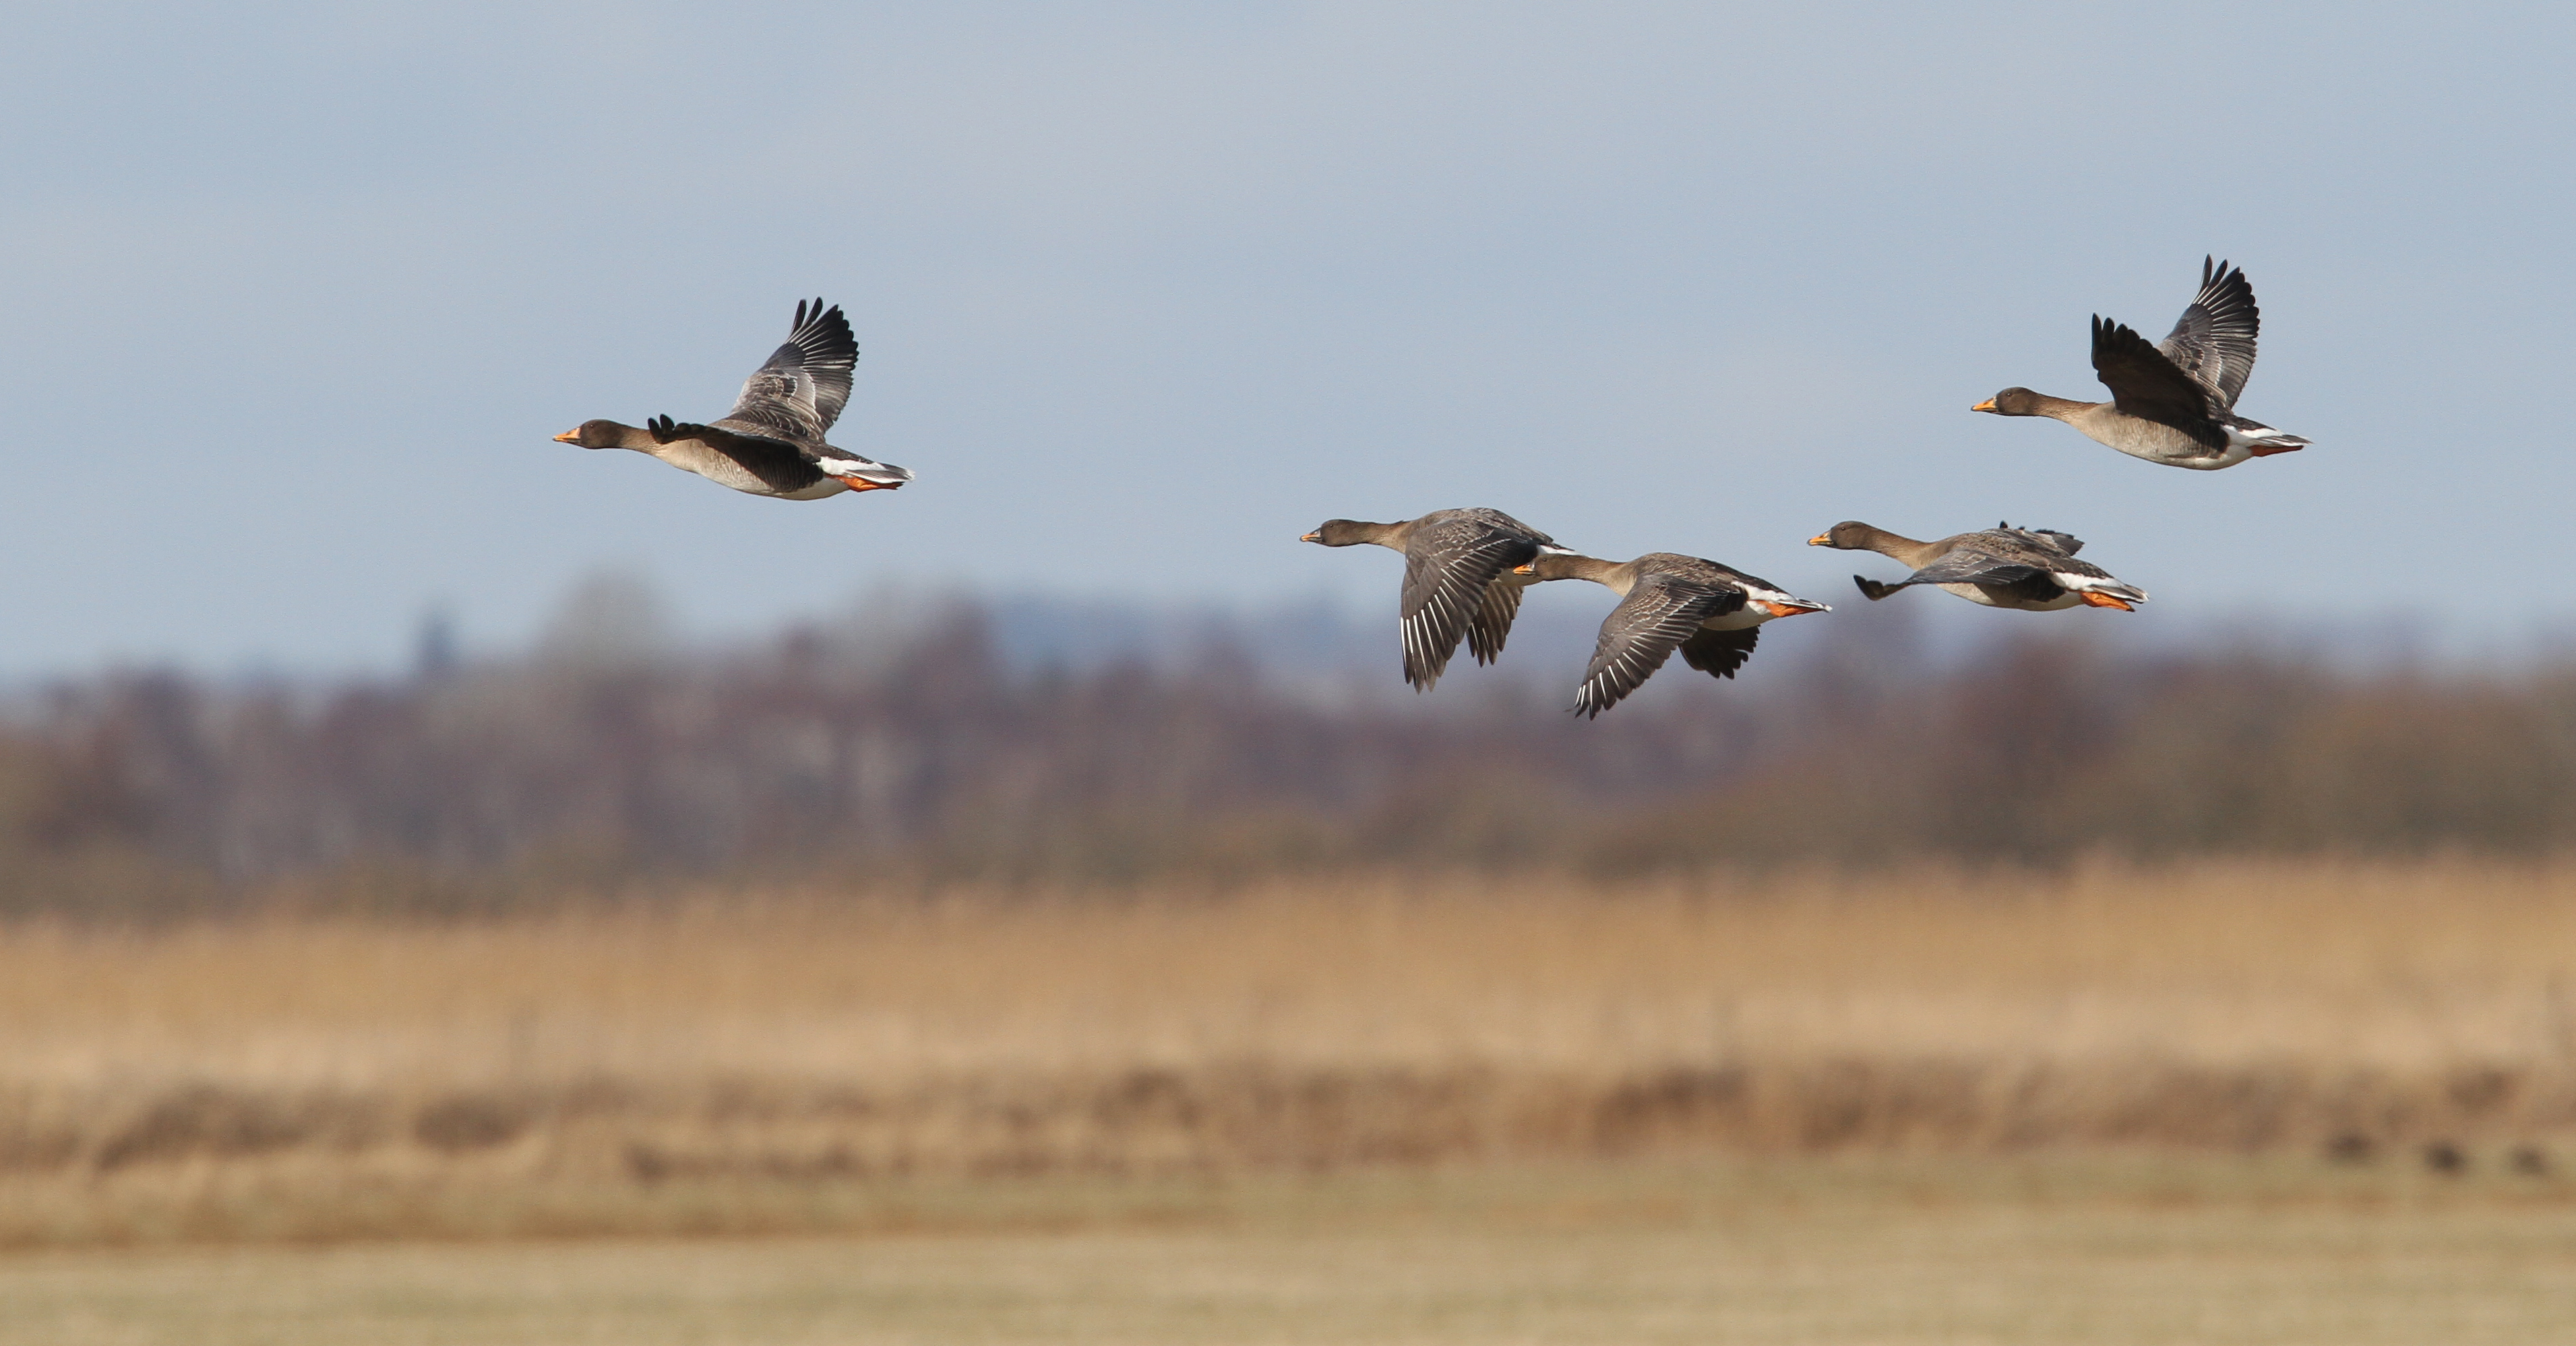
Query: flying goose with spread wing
[2173,402]
[1712,613]
[1459,580]
[2033,569]
[771,443]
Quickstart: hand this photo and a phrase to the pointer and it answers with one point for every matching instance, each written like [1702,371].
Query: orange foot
[2104,601]
[859,484]
[2267,451]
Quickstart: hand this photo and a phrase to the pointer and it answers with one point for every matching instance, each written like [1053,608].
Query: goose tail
[2102,591]
[2263,440]
[877,476]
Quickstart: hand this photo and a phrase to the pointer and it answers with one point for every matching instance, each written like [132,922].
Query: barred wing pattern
[1449,566]
[1659,613]
[2214,340]
[801,390]
[1492,624]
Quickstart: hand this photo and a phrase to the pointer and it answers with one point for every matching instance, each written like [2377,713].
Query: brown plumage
[1710,612]
[771,443]
[2172,402]
[2033,569]
[1458,580]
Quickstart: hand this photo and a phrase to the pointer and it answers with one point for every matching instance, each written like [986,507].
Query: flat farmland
[2213,1103]
[790,1064]
[2089,1249]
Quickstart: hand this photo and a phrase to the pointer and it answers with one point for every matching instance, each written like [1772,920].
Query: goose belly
[2160,443]
[1996,597]
[690,455]
[2200,459]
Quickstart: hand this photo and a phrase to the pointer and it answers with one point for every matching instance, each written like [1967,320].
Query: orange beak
[569,437]
[1821,540]
[1316,536]
[2104,601]
[1987,405]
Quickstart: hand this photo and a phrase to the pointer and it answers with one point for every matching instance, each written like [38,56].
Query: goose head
[603,434]
[2012,402]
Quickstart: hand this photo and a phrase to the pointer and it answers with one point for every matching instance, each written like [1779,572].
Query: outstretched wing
[1719,653]
[2146,384]
[1492,624]
[1659,613]
[802,389]
[2214,341]
[1448,566]
[1493,621]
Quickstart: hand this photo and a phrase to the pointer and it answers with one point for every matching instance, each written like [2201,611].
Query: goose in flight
[2033,569]
[1459,580]
[1712,613]
[771,443]
[2173,402]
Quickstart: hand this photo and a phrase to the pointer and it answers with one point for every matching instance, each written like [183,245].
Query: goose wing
[2214,341]
[2067,543]
[1660,612]
[1449,564]
[2147,384]
[1998,556]
[1974,568]
[2014,558]
[802,389]
[1492,624]
[1720,653]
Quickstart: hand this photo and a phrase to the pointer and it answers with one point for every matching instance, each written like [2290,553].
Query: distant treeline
[925,758]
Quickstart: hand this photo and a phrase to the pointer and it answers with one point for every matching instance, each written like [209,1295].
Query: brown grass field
[1889,1251]
[2242,1100]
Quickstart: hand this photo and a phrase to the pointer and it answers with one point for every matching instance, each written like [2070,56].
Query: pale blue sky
[291,303]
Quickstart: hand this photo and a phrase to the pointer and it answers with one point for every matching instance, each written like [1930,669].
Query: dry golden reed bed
[742,1064]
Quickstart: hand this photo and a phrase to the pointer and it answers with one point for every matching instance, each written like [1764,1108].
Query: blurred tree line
[598,766]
